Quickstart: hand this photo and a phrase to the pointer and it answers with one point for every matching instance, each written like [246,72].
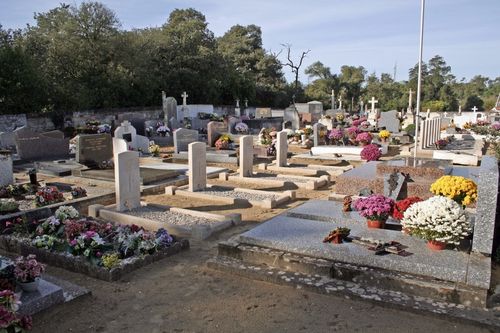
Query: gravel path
[157,214]
[222,192]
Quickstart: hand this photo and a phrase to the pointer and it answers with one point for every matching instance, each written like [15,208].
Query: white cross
[474,109]
[373,101]
[184,98]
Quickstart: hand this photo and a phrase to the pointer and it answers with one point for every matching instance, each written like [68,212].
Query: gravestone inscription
[93,149]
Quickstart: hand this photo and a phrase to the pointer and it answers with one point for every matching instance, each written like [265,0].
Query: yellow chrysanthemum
[460,189]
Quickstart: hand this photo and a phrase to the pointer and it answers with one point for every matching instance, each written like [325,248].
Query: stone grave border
[283,197]
[301,171]
[312,183]
[77,264]
[199,232]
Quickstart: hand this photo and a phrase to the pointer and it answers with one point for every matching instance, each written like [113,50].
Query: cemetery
[187,184]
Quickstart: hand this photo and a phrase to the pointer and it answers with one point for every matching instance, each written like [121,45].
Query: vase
[303,137]
[375,224]
[30,286]
[436,245]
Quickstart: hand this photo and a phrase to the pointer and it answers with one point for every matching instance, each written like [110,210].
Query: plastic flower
[437,218]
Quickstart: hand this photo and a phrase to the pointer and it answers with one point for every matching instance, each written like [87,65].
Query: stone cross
[184,98]
[340,103]
[246,102]
[333,99]
[237,102]
[460,110]
[474,109]
[373,101]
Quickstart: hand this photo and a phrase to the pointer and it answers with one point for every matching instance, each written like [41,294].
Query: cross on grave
[373,101]
[474,109]
[340,103]
[246,102]
[184,98]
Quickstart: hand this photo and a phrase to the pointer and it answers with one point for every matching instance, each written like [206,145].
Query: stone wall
[9,122]
[79,118]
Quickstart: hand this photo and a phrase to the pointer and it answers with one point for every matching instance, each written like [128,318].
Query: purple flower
[375,206]
[370,153]
[364,137]
[335,134]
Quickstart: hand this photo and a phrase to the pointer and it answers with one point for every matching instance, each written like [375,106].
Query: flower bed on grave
[88,246]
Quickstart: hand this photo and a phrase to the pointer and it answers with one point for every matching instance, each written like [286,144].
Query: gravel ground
[221,192]
[293,180]
[176,218]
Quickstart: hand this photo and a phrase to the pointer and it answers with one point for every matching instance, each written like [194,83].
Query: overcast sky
[376,34]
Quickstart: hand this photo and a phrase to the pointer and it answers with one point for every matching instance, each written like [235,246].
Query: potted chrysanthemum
[439,220]
[364,138]
[384,135]
[375,208]
[27,272]
[460,189]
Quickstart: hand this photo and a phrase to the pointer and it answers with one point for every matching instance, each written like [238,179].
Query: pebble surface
[160,215]
[221,192]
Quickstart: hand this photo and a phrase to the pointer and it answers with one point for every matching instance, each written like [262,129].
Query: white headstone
[246,156]
[282,149]
[127,181]
[119,146]
[6,170]
[197,158]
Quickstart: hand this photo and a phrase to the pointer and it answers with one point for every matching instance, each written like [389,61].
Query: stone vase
[30,286]
[375,224]
[436,245]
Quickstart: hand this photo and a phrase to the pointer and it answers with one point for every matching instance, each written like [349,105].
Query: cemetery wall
[9,122]
[41,124]
[108,116]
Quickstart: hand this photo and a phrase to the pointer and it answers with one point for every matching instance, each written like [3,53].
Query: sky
[377,34]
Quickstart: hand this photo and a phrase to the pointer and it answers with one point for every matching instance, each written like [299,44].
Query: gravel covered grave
[224,192]
[166,216]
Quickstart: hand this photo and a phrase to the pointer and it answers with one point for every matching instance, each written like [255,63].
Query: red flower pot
[375,224]
[435,245]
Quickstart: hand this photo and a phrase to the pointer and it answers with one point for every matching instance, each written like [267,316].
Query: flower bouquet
[460,189]
[47,196]
[439,220]
[10,321]
[364,138]
[370,152]
[375,208]
[78,192]
[223,142]
[64,213]
[336,135]
[241,128]
[27,272]
[162,130]
[154,150]
[337,235]
[441,143]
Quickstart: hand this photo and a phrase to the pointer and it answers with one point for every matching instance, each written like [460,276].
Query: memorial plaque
[92,149]
[33,146]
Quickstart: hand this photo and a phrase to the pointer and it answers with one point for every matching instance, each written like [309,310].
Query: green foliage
[410,129]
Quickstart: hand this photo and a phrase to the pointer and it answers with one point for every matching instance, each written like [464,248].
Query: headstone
[328,122]
[214,130]
[182,138]
[127,181]
[197,159]
[246,156]
[142,144]
[119,146]
[93,149]
[126,132]
[6,170]
[390,121]
[33,146]
[292,115]
[171,113]
[317,128]
[139,125]
[7,140]
[56,134]
[263,113]
[394,185]
[282,149]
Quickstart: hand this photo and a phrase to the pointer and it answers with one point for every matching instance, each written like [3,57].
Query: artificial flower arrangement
[375,208]
[223,142]
[85,237]
[370,152]
[10,320]
[154,149]
[104,128]
[289,132]
[437,219]
[337,235]
[364,138]
[162,130]
[460,189]
[28,269]
[78,192]
[48,195]
[384,134]
[308,130]
[441,143]
[495,126]
[402,205]
[241,128]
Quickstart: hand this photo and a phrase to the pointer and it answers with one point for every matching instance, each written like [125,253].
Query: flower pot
[436,245]
[337,239]
[30,286]
[375,224]
[303,137]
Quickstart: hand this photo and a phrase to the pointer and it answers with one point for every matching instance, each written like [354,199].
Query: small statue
[347,203]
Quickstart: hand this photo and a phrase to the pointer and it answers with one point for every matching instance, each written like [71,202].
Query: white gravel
[222,192]
[160,215]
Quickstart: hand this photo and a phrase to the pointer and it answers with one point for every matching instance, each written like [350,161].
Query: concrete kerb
[293,170]
[257,181]
[312,183]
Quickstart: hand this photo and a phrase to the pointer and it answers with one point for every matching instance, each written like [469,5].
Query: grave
[35,146]
[291,114]
[263,113]
[214,130]
[6,170]
[282,149]
[246,156]
[255,125]
[134,141]
[318,130]
[182,138]
[93,149]
[197,166]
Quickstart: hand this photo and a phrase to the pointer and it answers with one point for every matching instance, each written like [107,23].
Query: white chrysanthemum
[437,218]
[66,212]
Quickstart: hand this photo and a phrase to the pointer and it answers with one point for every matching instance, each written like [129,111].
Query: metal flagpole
[419,82]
